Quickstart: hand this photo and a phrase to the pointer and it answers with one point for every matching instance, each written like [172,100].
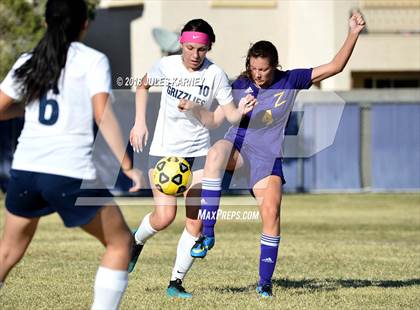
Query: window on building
[393,79]
[243,3]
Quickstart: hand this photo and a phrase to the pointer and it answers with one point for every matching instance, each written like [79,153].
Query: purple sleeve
[239,83]
[239,87]
[300,78]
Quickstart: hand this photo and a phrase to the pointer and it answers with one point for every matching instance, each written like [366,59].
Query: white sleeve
[9,85]
[99,77]
[223,89]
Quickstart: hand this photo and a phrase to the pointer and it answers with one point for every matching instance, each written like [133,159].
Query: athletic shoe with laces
[201,246]
[175,289]
[135,253]
[265,291]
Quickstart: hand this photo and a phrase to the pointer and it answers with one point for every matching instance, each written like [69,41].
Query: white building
[306,33]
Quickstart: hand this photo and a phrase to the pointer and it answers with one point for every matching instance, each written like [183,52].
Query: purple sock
[210,199]
[268,258]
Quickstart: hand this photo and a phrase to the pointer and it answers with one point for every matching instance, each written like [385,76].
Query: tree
[21,27]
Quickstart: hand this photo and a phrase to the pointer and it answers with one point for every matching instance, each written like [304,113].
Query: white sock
[109,288]
[145,231]
[183,261]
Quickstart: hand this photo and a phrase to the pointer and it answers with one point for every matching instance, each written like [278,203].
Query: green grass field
[356,251]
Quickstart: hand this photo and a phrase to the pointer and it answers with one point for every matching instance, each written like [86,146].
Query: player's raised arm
[338,63]
[139,133]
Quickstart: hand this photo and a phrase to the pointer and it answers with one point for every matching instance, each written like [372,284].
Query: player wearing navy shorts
[61,87]
[190,84]
[257,143]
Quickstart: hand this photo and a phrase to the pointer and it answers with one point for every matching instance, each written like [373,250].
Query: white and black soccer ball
[171,175]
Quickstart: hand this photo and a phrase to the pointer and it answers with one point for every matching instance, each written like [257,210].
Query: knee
[160,221]
[270,214]
[120,241]
[217,156]
[10,254]
[193,227]
[4,251]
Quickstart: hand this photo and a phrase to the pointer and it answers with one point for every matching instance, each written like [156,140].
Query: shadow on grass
[231,289]
[342,283]
[155,289]
[324,284]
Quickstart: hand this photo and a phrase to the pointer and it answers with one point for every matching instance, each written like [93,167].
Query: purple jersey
[262,129]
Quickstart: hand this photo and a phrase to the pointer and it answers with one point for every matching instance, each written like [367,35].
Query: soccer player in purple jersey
[257,141]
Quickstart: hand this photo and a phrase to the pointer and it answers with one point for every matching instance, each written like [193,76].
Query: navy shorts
[259,166]
[34,194]
[196,163]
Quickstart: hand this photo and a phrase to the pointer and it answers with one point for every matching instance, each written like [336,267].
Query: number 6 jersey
[57,136]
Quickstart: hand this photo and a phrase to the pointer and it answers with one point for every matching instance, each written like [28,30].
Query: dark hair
[263,49]
[40,73]
[200,25]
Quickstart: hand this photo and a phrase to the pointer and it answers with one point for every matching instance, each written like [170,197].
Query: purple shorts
[259,166]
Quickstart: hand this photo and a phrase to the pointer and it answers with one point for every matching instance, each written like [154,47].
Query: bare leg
[165,208]
[112,277]
[192,204]
[268,192]
[110,228]
[17,235]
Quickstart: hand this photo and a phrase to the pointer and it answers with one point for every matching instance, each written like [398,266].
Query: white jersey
[180,133]
[57,136]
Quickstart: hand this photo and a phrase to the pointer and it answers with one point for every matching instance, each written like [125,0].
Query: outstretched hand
[136,177]
[138,137]
[356,22]
[185,105]
[246,104]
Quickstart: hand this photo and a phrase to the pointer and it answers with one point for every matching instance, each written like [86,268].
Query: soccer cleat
[135,253]
[265,291]
[201,246]
[175,289]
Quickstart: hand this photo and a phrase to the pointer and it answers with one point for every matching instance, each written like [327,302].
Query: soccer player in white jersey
[63,85]
[189,78]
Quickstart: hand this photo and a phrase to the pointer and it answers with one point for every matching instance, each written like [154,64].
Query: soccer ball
[171,175]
